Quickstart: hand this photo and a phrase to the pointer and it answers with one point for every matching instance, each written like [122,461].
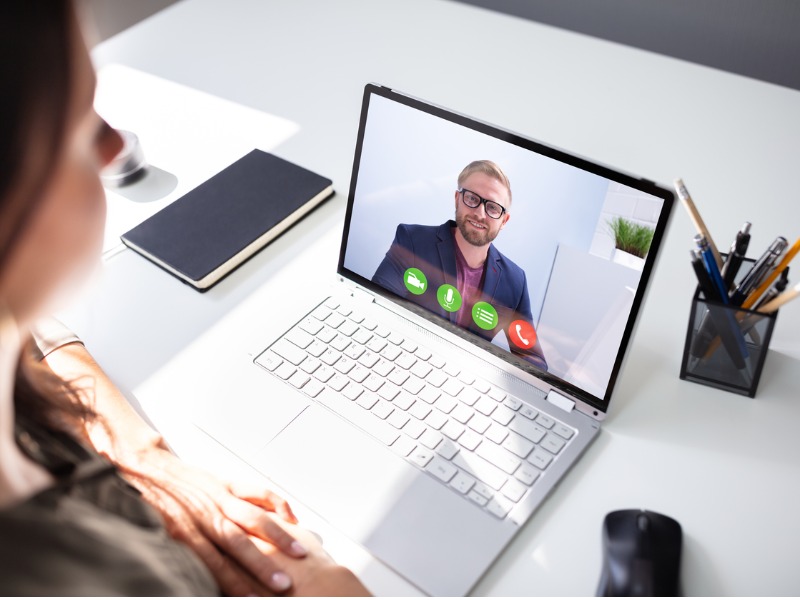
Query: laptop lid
[533,254]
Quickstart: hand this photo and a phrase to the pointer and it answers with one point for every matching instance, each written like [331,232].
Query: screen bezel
[643,185]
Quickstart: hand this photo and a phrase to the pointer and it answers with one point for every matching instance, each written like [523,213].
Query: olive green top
[91,534]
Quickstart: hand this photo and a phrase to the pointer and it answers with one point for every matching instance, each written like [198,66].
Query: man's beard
[475,237]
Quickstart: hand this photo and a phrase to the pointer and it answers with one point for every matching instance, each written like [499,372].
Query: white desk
[727,467]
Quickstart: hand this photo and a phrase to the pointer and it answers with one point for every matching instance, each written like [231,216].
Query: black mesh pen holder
[726,346]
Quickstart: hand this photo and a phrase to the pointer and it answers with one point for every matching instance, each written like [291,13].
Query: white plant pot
[627,259]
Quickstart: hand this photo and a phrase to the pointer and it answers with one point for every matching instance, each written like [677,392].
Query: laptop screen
[535,255]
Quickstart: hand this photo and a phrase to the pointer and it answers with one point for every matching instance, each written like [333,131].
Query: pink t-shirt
[468,282]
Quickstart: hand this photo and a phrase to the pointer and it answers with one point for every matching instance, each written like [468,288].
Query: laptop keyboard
[475,438]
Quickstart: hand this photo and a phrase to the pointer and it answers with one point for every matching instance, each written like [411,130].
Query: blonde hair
[486,167]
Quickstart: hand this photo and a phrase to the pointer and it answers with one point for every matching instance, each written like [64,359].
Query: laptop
[468,353]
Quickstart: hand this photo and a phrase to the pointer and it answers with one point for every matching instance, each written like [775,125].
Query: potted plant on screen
[632,242]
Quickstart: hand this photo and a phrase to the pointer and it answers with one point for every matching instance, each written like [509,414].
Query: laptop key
[514,490]
[496,433]
[414,428]
[452,387]
[469,439]
[348,328]
[310,364]
[447,449]
[445,403]
[376,344]
[480,469]
[421,456]
[503,415]
[414,385]
[497,395]
[299,338]
[553,444]
[545,421]
[430,439]
[313,388]
[482,386]
[358,374]
[285,371]
[354,351]
[462,413]
[388,391]
[398,376]
[429,394]
[395,338]
[358,416]
[486,406]
[299,379]
[479,423]
[498,456]
[391,352]
[403,400]
[462,482]
[512,403]
[441,469]
[527,428]
[540,458]
[334,320]
[382,331]
[329,357]
[564,431]
[383,367]
[316,348]
[382,409]
[344,365]
[483,489]
[311,325]
[468,396]
[406,360]
[269,360]
[499,507]
[352,391]
[368,359]
[436,378]
[528,412]
[324,373]
[518,445]
[436,419]
[477,498]
[423,353]
[367,400]
[527,474]
[421,369]
[288,351]
[338,382]
[419,410]
[373,383]
[340,342]
[403,445]
[408,346]
[397,419]
[437,361]
[362,336]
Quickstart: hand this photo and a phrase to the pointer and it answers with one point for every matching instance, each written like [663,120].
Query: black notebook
[211,230]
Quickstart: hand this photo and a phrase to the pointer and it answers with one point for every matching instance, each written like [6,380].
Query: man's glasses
[492,208]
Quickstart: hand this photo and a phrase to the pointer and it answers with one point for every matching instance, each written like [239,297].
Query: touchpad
[401,514]
[339,472]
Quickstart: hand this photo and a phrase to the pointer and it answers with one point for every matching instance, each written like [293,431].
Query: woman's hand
[227,526]
[317,574]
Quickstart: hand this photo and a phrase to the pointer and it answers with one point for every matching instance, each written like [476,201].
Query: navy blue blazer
[431,249]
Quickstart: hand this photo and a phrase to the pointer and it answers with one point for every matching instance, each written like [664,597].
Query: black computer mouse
[641,554]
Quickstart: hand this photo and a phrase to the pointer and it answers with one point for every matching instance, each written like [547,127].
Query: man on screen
[455,271]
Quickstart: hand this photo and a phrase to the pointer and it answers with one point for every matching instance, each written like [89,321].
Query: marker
[759,271]
[687,201]
[736,255]
[772,306]
[790,254]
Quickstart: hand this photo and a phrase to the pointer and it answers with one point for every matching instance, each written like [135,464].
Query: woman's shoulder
[59,544]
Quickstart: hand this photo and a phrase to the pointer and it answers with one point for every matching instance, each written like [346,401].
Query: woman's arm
[214,518]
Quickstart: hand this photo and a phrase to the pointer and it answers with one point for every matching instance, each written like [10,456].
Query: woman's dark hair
[36,75]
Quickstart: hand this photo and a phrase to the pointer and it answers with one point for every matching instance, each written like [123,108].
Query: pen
[687,201]
[711,267]
[737,252]
[714,323]
[776,289]
[790,254]
[759,271]
[775,304]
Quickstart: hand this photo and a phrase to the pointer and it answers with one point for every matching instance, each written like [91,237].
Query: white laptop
[469,353]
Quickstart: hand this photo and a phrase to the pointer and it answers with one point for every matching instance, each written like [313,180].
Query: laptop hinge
[562,402]
[363,295]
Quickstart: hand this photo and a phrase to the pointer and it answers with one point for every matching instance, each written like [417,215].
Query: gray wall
[755,38]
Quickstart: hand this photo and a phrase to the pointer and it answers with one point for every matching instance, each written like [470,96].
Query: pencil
[759,291]
[686,199]
[776,303]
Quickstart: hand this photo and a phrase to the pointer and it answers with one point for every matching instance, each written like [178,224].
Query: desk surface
[727,467]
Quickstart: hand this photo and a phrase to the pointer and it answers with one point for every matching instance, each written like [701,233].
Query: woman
[70,521]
